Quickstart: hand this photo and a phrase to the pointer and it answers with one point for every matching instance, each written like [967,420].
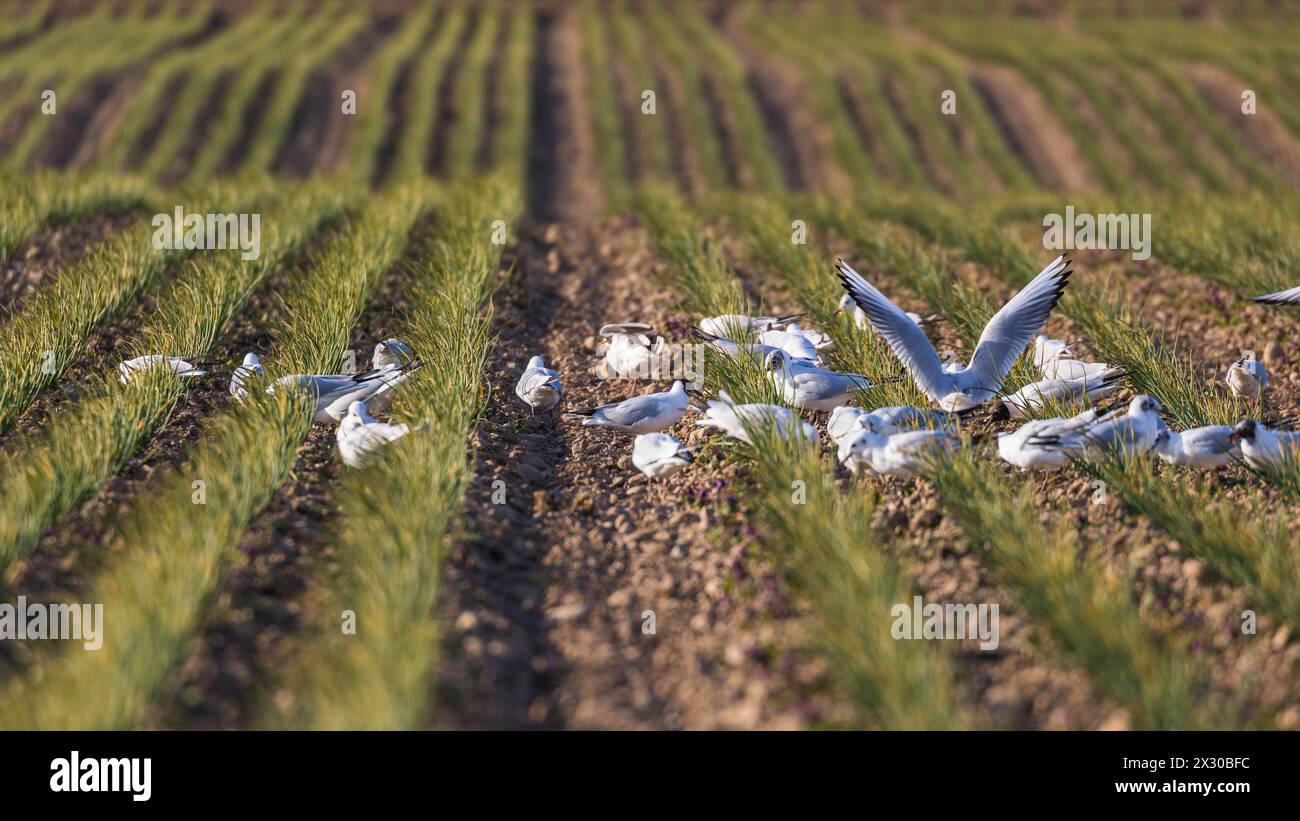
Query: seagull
[735,349]
[1247,378]
[251,366]
[860,316]
[1133,433]
[809,387]
[1212,446]
[335,393]
[1290,296]
[650,413]
[539,386]
[128,369]
[792,343]
[1062,368]
[361,435]
[632,348]
[1046,349]
[392,352]
[1046,443]
[1035,395]
[1265,449]
[820,341]
[659,455]
[900,454]
[1004,338]
[846,421]
[740,324]
[736,420]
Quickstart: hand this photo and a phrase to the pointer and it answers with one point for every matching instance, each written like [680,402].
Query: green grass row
[177,552]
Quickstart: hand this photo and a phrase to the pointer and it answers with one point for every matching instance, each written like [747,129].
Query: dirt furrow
[49,252]
[582,595]
[318,129]
[493,103]
[448,108]
[1031,130]
[399,106]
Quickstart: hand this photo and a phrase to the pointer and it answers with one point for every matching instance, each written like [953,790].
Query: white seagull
[726,324]
[1046,443]
[361,435]
[1291,296]
[659,455]
[1134,433]
[539,386]
[633,346]
[795,344]
[1212,446]
[1005,337]
[250,367]
[900,454]
[820,340]
[1035,395]
[846,420]
[1247,378]
[1046,349]
[809,387]
[650,413]
[1265,449]
[734,349]
[736,420]
[334,394]
[392,352]
[128,369]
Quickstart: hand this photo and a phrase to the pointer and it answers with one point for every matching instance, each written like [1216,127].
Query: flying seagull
[1290,296]
[1005,337]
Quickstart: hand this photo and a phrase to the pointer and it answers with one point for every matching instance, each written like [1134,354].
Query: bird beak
[1234,436]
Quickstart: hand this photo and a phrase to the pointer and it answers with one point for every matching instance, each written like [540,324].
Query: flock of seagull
[900,440]
[885,441]
[342,399]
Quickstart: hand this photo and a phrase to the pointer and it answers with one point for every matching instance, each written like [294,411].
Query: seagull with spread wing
[1291,296]
[1005,337]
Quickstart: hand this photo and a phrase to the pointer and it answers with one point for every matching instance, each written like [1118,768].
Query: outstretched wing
[1290,296]
[1011,329]
[905,338]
